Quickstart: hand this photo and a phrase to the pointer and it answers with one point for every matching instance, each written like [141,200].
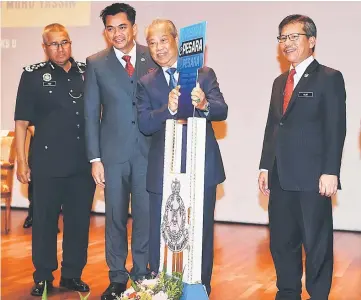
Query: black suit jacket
[307,140]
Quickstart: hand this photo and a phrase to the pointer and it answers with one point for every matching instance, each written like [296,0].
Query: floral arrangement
[160,287]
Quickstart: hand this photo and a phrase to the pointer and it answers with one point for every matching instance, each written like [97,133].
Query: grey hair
[54,27]
[168,23]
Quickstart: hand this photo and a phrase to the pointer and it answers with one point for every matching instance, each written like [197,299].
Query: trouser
[75,195]
[30,197]
[121,180]
[296,219]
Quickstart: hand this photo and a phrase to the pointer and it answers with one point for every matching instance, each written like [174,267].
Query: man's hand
[328,185]
[23,172]
[199,98]
[263,183]
[173,99]
[31,130]
[98,173]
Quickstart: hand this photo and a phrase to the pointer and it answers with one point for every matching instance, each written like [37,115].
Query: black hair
[117,8]
[308,25]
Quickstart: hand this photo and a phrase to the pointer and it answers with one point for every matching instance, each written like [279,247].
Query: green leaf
[44,296]
[84,298]
[134,285]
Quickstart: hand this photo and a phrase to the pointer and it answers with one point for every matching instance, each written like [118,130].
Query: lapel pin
[142,59]
[306,75]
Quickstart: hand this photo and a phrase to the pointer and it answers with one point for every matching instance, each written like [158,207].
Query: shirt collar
[54,66]
[173,66]
[301,68]
[132,52]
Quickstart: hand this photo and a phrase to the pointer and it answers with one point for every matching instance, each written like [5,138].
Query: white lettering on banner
[191,47]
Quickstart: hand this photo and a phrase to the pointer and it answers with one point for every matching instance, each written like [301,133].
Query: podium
[182,205]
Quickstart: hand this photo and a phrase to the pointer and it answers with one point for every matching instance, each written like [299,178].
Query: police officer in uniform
[50,95]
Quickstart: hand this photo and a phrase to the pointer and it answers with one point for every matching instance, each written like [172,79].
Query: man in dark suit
[50,95]
[157,98]
[115,146]
[300,163]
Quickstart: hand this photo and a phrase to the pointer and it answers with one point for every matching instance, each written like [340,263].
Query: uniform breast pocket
[48,96]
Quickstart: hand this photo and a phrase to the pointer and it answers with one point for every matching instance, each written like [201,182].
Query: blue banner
[192,42]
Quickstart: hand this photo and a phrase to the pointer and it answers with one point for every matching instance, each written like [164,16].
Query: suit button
[131,81]
[281,124]
[133,103]
[74,102]
[78,125]
[78,138]
[133,122]
[46,147]
[77,113]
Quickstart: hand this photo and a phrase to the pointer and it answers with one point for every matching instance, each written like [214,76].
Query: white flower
[125,294]
[160,296]
[149,282]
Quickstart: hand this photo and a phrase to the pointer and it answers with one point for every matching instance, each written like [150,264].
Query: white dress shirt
[132,53]
[133,58]
[167,76]
[300,69]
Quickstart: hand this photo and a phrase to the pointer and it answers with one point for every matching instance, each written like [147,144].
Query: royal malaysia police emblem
[47,77]
[174,229]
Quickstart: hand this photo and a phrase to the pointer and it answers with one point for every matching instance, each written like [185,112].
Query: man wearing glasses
[50,96]
[300,162]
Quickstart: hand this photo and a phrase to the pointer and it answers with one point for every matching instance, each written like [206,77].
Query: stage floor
[243,267]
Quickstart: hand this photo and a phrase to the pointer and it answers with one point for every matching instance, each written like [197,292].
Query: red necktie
[288,89]
[128,66]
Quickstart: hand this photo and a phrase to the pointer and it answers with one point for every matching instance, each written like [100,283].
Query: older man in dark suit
[300,163]
[115,146]
[157,96]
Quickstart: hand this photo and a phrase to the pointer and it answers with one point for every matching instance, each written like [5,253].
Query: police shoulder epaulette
[81,64]
[31,68]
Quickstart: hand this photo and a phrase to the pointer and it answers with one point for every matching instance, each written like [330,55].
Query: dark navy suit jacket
[152,104]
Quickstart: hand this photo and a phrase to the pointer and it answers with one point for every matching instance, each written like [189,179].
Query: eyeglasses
[55,46]
[292,37]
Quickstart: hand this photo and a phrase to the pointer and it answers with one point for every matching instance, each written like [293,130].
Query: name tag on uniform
[49,83]
[305,94]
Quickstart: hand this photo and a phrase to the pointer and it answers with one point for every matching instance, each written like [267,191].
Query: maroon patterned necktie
[128,66]
[288,89]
